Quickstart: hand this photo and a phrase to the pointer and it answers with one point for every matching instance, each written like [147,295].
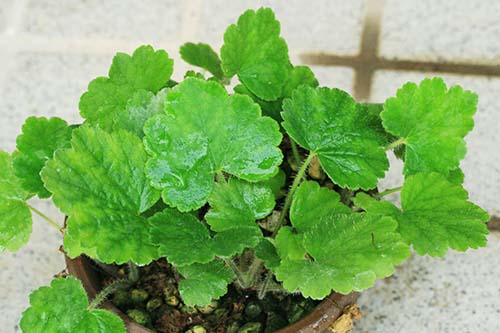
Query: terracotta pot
[317,321]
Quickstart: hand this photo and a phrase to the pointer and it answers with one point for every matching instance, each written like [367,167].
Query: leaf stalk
[388,191]
[394,144]
[46,218]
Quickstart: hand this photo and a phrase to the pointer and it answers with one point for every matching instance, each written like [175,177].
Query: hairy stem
[219,176]
[295,152]
[264,287]
[103,294]
[394,144]
[289,196]
[46,218]
[388,191]
[251,274]
[133,272]
[240,280]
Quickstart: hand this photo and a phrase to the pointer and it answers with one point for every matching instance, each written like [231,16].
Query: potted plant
[193,209]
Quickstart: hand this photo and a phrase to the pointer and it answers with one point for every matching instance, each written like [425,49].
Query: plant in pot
[199,210]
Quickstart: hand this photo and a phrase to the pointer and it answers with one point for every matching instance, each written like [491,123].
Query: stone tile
[4,9]
[45,85]
[462,30]
[335,77]
[325,25]
[31,267]
[455,294]
[482,163]
[145,21]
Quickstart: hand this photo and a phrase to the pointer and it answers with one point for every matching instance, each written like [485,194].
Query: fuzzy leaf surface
[346,253]
[185,240]
[146,69]
[202,55]
[15,216]
[254,50]
[206,131]
[100,184]
[37,143]
[237,203]
[433,122]
[328,123]
[204,282]
[437,216]
[62,308]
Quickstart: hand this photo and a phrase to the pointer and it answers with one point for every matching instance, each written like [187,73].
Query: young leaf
[206,131]
[269,108]
[184,240]
[266,251]
[202,55]
[346,253]
[328,123]
[140,107]
[15,216]
[254,50]
[237,203]
[40,138]
[63,308]
[100,184]
[203,282]
[312,204]
[432,122]
[289,244]
[146,69]
[437,216]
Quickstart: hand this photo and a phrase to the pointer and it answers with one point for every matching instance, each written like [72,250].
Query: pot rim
[318,320]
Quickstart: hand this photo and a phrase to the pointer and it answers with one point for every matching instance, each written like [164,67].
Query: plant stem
[103,294]
[220,177]
[133,272]
[395,144]
[240,281]
[295,152]
[388,191]
[46,218]
[289,196]
[251,274]
[263,289]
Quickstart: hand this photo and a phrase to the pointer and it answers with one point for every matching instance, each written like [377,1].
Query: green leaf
[100,184]
[378,207]
[254,50]
[432,121]
[140,107]
[206,131]
[266,251]
[299,75]
[437,216]
[204,282]
[372,114]
[202,55]
[37,143]
[276,183]
[345,253]
[329,124]
[289,244]
[184,240]
[238,203]
[62,308]
[269,108]
[146,69]
[312,204]
[456,176]
[15,216]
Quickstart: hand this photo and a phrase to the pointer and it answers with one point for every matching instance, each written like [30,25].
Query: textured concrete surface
[50,50]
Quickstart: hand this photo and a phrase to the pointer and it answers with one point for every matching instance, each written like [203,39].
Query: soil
[154,302]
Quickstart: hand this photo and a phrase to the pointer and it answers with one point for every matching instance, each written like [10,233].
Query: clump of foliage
[280,174]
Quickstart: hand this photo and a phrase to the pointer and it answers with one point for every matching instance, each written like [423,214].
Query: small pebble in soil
[208,309]
[121,298]
[197,329]
[172,300]
[139,316]
[252,327]
[138,296]
[153,304]
[253,310]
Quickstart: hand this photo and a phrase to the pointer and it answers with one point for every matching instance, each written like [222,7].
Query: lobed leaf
[184,240]
[237,203]
[146,69]
[267,252]
[204,282]
[432,122]
[204,132]
[100,184]
[254,50]
[62,308]
[329,123]
[202,55]
[40,138]
[15,216]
